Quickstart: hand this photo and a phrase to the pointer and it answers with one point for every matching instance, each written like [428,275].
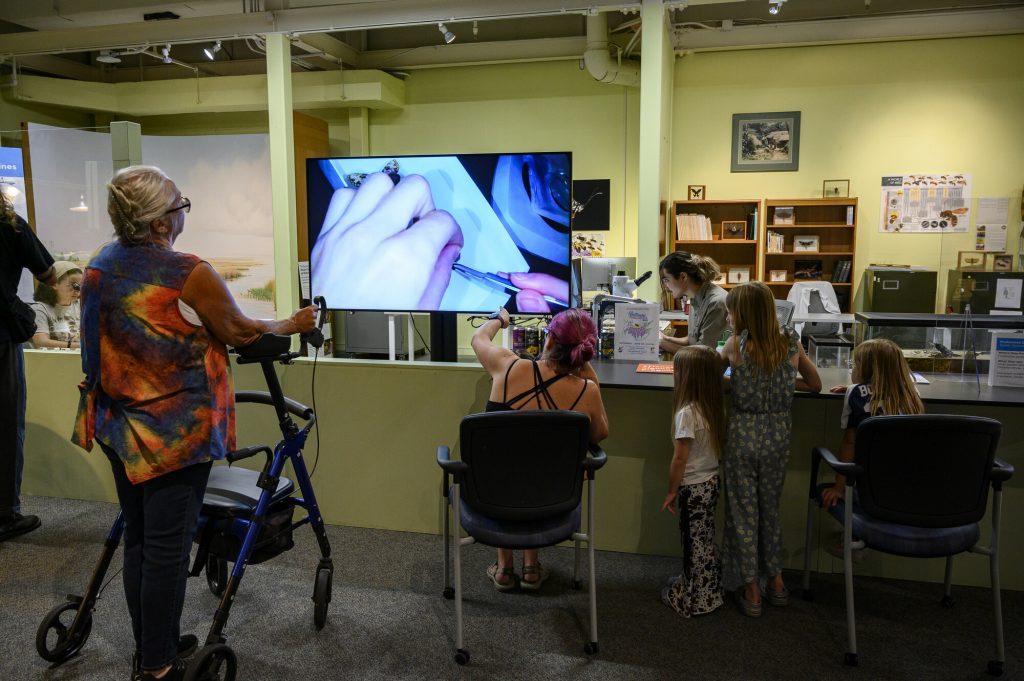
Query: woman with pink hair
[561,378]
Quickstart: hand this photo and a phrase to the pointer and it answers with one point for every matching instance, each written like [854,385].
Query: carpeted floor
[388,620]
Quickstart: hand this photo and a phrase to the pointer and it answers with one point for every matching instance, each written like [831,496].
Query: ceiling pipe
[598,59]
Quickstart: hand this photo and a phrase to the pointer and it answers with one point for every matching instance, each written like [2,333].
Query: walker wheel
[321,596]
[216,574]
[213,663]
[57,639]
[461,657]
[448,593]
[591,648]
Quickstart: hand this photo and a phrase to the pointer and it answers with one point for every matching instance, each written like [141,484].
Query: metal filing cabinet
[891,289]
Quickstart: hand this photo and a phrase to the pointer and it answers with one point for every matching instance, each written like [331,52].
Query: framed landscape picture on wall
[765,141]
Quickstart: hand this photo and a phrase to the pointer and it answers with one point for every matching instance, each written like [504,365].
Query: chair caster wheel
[577,584]
[947,602]
[448,593]
[850,659]
[590,648]
[808,595]
[995,668]
[461,656]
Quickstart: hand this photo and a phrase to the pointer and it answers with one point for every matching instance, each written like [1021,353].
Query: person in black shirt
[19,249]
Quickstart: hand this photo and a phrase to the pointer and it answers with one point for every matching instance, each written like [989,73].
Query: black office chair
[519,486]
[920,488]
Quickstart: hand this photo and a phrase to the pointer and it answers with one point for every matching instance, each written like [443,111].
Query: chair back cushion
[928,470]
[524,465]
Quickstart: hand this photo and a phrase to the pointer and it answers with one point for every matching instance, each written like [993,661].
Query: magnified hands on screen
[535,286]
[386,246]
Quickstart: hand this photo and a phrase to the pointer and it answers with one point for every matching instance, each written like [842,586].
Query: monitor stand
[444,337]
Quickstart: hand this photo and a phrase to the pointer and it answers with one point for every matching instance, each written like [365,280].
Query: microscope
[623,294]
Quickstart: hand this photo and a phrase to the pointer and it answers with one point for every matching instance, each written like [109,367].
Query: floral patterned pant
[698,590]
[752,545]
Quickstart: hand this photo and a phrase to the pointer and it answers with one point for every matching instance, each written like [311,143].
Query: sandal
[496,575]
[536,569]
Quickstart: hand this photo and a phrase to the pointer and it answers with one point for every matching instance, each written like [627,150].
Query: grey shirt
[707,315]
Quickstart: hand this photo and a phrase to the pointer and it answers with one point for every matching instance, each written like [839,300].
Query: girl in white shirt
[699,435]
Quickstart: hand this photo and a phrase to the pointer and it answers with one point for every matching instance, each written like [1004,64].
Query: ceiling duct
[598,59]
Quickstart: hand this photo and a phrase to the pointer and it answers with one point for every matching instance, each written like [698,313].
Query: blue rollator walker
[246,518]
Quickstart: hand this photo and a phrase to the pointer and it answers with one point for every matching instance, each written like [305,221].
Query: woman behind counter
[57,308]
[693,276]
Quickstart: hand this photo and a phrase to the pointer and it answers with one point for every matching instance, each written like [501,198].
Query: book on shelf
[752,225]
[841,272]
[849,215]
[693,227]
[776,242]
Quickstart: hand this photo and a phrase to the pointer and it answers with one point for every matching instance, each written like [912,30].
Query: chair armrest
[849,469]
[1001,472]
[595,460]
[451,467]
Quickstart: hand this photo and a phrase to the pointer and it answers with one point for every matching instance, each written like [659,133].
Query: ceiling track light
[108,57]
[166,52]
[449,37]
[774,6]
[211,52]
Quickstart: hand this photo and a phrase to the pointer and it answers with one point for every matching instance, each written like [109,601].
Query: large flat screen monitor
[462,233]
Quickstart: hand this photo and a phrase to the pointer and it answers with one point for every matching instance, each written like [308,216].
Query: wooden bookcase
[727,253]
[832,221]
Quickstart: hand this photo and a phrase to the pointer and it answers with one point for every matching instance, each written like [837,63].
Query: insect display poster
[928,203]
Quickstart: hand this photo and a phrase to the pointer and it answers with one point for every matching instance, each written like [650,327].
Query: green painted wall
[13,113]
[867,110]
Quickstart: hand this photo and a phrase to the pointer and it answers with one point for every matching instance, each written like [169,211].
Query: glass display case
[937,343]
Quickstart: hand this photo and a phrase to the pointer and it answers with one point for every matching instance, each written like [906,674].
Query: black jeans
[160,524]
[12,426]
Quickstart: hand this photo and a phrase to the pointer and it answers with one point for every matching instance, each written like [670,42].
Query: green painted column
[359,132]
[125,144]
[656,67]
[282,172]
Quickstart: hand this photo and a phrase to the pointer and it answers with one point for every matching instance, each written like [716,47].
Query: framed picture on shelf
[1001,262]
[778,275]
[807,269]
[783,215]
[765,141]
[806,242]
[739,275]
[720,279]
[970,261]
[734,229]
[696,192]
[834,189]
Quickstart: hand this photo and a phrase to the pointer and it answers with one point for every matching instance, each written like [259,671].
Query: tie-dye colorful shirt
[157,388]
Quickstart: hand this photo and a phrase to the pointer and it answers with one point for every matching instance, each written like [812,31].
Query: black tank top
[539,390]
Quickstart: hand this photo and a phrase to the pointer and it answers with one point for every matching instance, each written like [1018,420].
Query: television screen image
[465,233]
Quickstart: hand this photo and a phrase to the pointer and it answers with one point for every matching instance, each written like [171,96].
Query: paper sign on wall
[636,331]
[929,203]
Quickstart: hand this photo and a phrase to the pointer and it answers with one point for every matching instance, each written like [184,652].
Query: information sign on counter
[636,331]
[1006,366]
